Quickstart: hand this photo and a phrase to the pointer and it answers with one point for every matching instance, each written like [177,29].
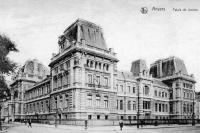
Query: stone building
[83,74]
[30,73]
[84,83]
[137,91]
[172,71]
[38,100]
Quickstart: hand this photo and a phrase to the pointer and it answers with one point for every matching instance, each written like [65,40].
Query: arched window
[106,101]
[184,108]
[191,108]
[129,105]
[188,108]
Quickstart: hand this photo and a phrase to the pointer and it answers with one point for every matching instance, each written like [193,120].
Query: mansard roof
[180,66]
[138,66]
[87,31]
[168,67]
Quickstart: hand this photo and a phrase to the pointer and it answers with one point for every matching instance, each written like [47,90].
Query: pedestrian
[25,121]
[121,124]
[142,123]
[86,124]
[29,123]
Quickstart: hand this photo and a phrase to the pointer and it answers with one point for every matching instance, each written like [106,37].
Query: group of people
[28,122]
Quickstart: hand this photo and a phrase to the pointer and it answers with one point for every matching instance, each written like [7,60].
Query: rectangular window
[98,80]
[117,87]
[121,105]
[56,102]
[89,100]
[187,95]
[155,92]
[106,81]
[156,106]
[47,105]
[42,106]
[121,88]
[159,94]
[106,117]
[90,78]
[134,105]
[166,94]
[146,104]
[98,117]
[89,117]
[117,104]
[163,108]
[106,101]
[97,101]
[162,94]
[159,107]
[129,105]
[129,89]
[166,106]
[133,89]
[61,101]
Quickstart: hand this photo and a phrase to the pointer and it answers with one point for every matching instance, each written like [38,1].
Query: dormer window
[96,64]
[107,67]
[91,64]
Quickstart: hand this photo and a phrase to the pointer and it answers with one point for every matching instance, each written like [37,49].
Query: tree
[7,66]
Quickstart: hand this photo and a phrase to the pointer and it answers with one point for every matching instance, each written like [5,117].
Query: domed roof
[32,68]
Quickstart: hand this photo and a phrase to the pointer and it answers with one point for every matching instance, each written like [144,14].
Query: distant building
[32,72]
[84,83]
[172,71]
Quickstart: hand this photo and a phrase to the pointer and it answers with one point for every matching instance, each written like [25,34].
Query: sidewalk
[106,128]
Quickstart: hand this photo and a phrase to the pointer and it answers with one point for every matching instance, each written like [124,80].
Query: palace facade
[84,83]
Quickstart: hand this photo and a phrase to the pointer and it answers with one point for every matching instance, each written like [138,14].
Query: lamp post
[193,114]
[0,118]
[138,110]
[8,113]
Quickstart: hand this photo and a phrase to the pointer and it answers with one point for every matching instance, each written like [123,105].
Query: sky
[34,25]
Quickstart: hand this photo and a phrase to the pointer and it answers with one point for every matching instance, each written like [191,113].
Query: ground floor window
[89,117]
[122,117]
[98,117]
[106,117]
